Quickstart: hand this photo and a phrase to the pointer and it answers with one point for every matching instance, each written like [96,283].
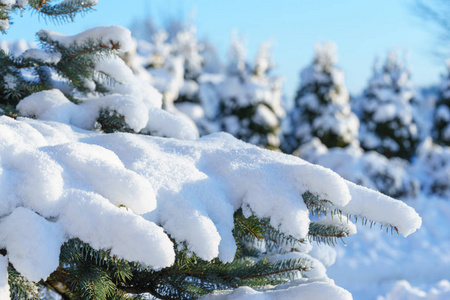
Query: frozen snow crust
[135,190]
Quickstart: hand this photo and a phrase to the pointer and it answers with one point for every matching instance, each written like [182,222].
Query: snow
[264,116]
[10,82]
[4,24]
[382,209]
[4,286]
[32,242]
[90,2]
[44,57]
[139,114]
[393,177]
[20,3]
[103,171]
[197,185]
[118,229]
[313,290]
[371,262]
[324,253]
[105,35]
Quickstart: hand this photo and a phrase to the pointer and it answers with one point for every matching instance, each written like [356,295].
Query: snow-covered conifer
[321,107]
[433,168]
[95,206]
[388,125]
[211,61]
[250,98]
[174,61]
[441,122]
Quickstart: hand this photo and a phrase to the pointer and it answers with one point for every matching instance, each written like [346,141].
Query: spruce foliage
[86,273]
[70,67]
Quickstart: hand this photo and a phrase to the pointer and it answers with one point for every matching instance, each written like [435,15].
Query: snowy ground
[373,262]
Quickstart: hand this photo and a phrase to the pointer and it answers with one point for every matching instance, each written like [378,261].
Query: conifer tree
[441,122]
[97,209]
[387,121]
[250,99]
[321,107]
[174,61]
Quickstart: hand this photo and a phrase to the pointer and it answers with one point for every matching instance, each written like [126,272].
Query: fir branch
[111,121]
[57,285]
[190,277]
[20,287]
[249,228]
[114,46]
[280,267]
[327,233]
[254,228]
[64,11]
[88,273]
[316,205]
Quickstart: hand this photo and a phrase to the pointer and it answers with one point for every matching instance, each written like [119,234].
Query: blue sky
[361,29]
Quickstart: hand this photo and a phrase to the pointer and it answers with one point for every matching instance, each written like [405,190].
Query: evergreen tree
[387,122]
[432,166]
[321,106]
[174,62]
[94,208]
[250,99]
[441,122]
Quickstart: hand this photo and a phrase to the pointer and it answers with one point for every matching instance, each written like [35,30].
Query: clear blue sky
[362,29]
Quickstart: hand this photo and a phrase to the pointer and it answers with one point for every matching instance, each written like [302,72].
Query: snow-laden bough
[137,190]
